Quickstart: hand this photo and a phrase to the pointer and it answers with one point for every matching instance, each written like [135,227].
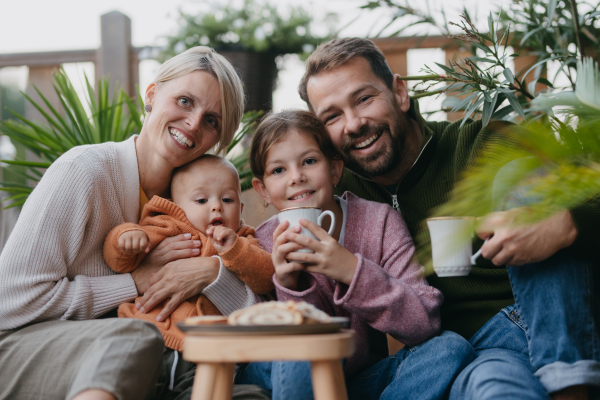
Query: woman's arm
[228,293]
[51,267]
[251,263]
[187,277]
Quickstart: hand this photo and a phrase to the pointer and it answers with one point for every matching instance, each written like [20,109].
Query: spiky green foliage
[588,84]
[485,81]
[252,26]
[401,16]
[241,161]
[554,29]
[484,85]
[559,164]
[110,119]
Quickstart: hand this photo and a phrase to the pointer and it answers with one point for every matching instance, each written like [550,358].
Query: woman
[53,280]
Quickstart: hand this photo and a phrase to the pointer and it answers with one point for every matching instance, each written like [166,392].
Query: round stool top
[331,346]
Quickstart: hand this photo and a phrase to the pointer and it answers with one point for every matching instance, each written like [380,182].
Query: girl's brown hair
[274,127]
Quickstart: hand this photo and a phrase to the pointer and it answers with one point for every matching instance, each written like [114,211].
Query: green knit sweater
[469,302]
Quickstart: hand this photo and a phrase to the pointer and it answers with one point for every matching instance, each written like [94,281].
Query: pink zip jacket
[388,293]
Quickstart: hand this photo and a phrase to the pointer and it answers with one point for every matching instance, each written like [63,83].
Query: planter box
[259,74]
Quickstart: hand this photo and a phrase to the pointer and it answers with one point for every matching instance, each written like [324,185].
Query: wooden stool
[216,357]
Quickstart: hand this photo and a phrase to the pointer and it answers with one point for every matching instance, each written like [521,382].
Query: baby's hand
[134,242]
[222,238]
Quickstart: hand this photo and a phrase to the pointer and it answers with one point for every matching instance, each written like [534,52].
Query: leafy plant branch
[549,30]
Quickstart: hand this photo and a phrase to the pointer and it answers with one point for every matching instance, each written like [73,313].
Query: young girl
[364,271]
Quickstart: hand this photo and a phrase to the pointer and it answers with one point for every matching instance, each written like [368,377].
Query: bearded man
[544,344]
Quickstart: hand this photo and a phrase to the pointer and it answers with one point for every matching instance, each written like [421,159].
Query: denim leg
[370,383]
[284,380]
[425,371]
[501,369]
[255,373]
[555,300]
[291,380]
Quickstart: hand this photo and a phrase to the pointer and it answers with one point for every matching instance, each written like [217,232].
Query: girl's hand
[179,280]
[171,249]
[222,237]
[329,258]
[286,272]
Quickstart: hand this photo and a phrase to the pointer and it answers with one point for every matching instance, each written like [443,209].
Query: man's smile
[366,142]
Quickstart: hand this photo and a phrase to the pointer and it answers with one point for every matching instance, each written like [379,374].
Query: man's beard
[380,162]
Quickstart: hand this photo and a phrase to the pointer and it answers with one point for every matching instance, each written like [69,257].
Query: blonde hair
[202,58]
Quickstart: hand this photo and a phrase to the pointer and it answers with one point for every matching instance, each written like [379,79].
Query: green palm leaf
[588,83]
[110,119]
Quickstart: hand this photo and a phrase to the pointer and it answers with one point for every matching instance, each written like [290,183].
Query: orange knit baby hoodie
[162,218]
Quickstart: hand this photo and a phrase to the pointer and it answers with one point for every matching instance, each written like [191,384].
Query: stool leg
[328,380]
[224,382]
[204,381]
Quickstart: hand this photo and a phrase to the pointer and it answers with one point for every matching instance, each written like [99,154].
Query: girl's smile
[302,195]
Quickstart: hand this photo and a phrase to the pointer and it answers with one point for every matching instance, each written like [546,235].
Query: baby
[206,204]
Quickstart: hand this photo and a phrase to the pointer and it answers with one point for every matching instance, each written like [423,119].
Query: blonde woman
[54,284]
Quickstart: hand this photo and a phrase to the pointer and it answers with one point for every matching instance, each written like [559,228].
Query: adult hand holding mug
[451,245]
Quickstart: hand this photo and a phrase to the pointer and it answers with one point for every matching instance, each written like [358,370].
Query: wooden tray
[335,325]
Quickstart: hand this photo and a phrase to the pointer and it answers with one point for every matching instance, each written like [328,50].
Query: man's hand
[222,238]
[513,244]
[134,242]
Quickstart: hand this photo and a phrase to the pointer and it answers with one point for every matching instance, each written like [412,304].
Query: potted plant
[251,37]
[559,143]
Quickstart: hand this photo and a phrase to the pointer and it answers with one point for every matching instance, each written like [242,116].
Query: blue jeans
[425,371]
[501,369]
[555,300]
[554,309]
[545,342]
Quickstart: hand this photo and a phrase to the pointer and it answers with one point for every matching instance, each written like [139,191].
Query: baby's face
[209,195]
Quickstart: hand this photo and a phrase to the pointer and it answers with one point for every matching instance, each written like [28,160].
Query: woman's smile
[182,138]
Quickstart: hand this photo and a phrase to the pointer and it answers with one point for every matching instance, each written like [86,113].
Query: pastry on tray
[279,313]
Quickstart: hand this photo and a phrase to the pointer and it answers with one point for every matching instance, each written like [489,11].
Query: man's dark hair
[338,52]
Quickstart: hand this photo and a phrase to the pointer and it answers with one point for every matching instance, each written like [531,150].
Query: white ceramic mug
[313,214]
[451,245]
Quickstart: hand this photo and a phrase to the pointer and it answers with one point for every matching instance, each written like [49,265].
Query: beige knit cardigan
[52,265]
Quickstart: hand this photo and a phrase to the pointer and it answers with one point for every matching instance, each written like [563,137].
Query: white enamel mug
[451,245]
[312,214]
